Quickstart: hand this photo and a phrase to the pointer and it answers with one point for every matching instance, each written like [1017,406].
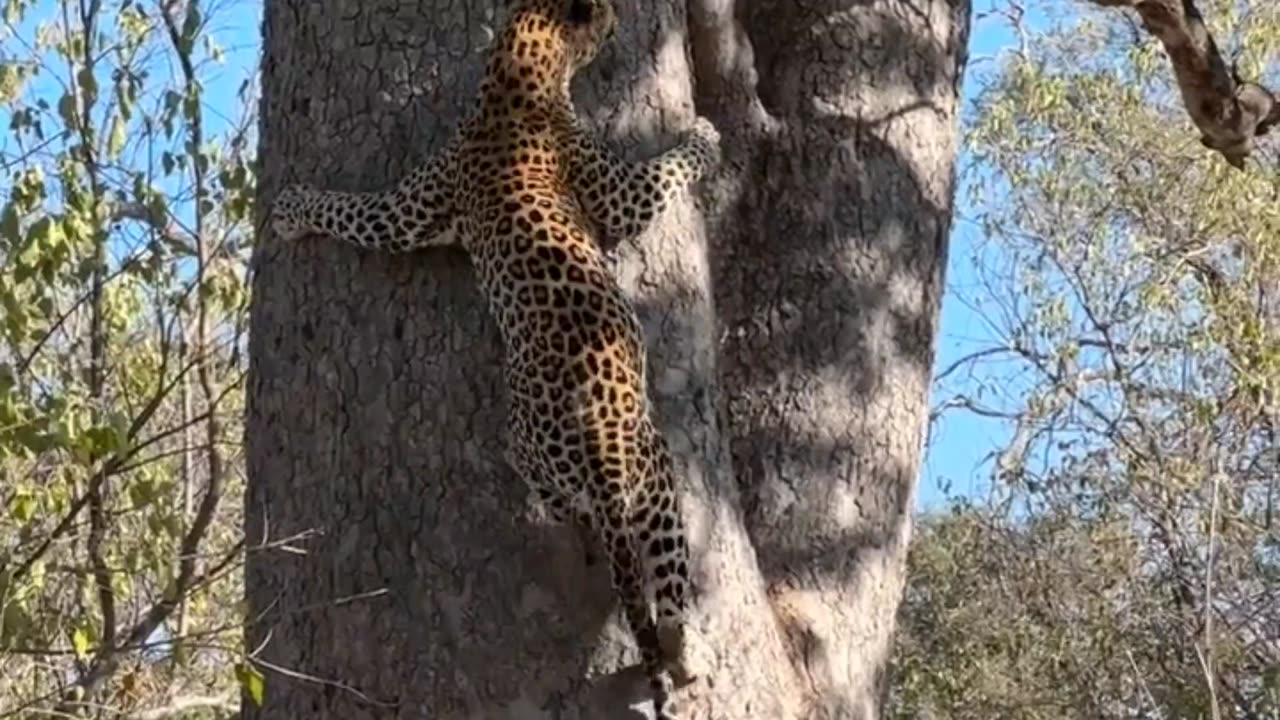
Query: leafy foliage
[1126,566]
[1126,563]
[123,239]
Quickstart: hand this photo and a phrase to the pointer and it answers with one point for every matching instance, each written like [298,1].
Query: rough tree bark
[790,323]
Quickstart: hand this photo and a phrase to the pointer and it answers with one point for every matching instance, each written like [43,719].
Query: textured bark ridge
[789,323]
[1229,112]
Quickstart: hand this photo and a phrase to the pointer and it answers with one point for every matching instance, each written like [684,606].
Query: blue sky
[960,443]
[957,457]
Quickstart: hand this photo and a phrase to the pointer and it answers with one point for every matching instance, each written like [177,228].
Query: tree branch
[1228,111]
[162,225]
[110,467]
[182,705]
[108,657]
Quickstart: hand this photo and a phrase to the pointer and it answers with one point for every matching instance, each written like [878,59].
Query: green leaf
[10,227]
[99,441]
[251,681]
[80,643]
[39,232]
[173,526]
[116,139]
[172,101]
[142,492]
[158,207]
[155,524]
[125,96]
[191,24]
[10,81]
[34,440]
[164,524]
[88,85]
[67,111]
[22,507]
[13,12]
[191,107]
[15,621]
[1271,679]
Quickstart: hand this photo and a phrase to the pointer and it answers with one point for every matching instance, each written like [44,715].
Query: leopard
[535,198]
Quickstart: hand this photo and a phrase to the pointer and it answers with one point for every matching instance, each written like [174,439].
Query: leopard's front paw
[704,132]
[289,212]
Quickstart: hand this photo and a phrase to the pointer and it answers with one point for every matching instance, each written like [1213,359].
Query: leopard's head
[588,24]
[557,36]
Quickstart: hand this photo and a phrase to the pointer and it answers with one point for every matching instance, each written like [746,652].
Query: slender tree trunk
[791,341]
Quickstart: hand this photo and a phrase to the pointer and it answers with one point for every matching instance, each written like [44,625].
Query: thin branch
[1142,682]
[324,682]
[162,225]
[1206,659]
[178,706]
[107,659]
[976,355]
[96,497]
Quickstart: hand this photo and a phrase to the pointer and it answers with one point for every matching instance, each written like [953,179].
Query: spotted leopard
[530,194]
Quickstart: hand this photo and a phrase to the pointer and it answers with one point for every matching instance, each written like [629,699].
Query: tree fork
[795,412]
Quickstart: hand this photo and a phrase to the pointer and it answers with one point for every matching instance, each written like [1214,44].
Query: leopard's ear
[581,11]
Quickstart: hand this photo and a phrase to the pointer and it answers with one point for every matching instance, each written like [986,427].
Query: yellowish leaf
[251,681]
[80,643]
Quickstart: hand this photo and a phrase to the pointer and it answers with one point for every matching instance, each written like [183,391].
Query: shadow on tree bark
[790,357]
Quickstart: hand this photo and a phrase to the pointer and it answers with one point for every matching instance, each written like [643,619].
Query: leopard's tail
[625,569]
[646,632]
[617,519]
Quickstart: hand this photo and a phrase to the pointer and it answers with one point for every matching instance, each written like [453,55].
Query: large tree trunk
[796,414]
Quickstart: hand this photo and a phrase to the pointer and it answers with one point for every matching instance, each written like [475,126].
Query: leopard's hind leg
[555,506]
[661,543]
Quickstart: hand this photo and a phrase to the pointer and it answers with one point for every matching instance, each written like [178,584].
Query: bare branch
[162,225]
[108,657]
[1206,658]
[178,706]
[976,355]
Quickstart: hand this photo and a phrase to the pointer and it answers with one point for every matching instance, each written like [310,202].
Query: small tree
[1131,279]
[122,234]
